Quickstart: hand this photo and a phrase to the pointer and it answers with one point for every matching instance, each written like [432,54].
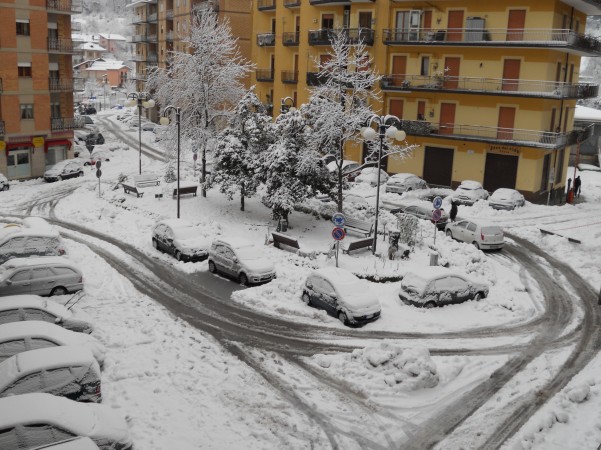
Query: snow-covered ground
[182,389]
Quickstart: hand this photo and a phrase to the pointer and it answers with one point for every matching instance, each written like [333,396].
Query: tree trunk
[340,160]
[242,197]
[204,171]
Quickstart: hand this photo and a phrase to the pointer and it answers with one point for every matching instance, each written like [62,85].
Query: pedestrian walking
[453,212]
[577,185]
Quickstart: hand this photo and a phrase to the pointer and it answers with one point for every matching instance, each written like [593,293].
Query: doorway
[451,76]
[438,166]
[500,171]
[447,118]
[18,163]
[511,74]
[455,26]
[515,24]
[506,123]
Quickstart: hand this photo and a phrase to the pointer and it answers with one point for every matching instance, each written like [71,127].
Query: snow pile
[383,366]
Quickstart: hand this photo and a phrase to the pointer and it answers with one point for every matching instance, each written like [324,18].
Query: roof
[92,47]
[39,261]
[32,301]
[107,65]
[471,184]
[586,114]
[112,37]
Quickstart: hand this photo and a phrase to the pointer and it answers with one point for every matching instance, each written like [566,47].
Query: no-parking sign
[338,234]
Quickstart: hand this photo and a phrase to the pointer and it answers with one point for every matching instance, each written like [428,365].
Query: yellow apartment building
[36,85]
[487,89]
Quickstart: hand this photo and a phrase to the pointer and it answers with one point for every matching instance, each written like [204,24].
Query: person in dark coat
[453,212]
[577,184]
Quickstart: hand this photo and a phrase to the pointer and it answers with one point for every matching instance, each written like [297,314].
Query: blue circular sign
[437,202]
[338,234]
[339,219]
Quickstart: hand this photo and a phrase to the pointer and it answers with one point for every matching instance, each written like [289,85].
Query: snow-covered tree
[238,151]
[206,81]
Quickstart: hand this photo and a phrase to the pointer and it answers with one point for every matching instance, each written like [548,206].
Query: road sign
[436,215]
[195,156]
[338,234]
[339,219]
[437,202]
[98,173]
[98,164]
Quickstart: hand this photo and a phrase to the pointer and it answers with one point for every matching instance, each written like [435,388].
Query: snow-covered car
[404,182]
[66,371]
[469,192]
[342,295]
[19,308]
[508,199]
[148,126]
[33,237]
[95,138]
[43,275]
[180,238]
[370,175]
[484,236]
[98,154]
[359,200]
[32,420]
[241,260]
[349,169]
[62,170]
[3,183]
[77,443]
[423,210]
[437,286]
[17,337]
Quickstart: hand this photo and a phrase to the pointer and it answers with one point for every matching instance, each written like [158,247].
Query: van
[45,275]
[241,260]
[67,371]
[34,237]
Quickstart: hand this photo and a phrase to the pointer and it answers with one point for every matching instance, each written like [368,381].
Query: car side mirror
[9,282]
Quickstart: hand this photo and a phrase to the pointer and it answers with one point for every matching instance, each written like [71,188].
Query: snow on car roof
[402,176]
[503,192]
[432,272]
[78,443]
[470,184]
[29,328]
[39,261]
[39,228]
[235,242]
[336,275]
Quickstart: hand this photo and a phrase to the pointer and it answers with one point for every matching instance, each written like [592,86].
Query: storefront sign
[2,146]
[504,150]
[37,141]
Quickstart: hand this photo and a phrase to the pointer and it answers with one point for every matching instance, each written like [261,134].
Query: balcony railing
[264,74]
[292,3]
[139,77]
[60,85]
[2,128]
[506,136]
[150,58]
[338,2]
[356,35]
[291,38]
[290,76]
[169,14]
[75,26]
[494,86]
[324,36]
[69,123]
[1,85]
[65,6]
[266,5]
[61,46]
[496,37]
[152,17]
[266,39]
[169,36]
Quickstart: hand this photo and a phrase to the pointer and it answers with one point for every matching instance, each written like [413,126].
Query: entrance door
[438,166]
[399,69]
[511,74]
[455,26]
[18,164]
[451,76]
[500,171]
[447,118]
[365,19]
[506,123]
[516,24]
[396,108]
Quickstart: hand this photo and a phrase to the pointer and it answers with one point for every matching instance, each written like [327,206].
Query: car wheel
[307,299]
[243,279]
[430,305]
[342,317]
[59,178]
[450,234]
[212,267]
[5,187]
[475,244]
[58,291]
[80,174]
[478,297]
[178,255]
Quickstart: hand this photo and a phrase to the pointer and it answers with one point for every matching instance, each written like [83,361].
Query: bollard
[434,258]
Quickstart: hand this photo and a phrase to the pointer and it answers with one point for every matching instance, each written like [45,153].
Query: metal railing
[60,84]
[290,76]
[61,46]
[75,26]
[265,5]
[150,57]
[291,38]
[292,3]
[264,74]
[356,35]
[1,87]
[497,86]
[500,37]
[68,6]
[324,36]
[69,123]
[169,14]
[2,131]
[266,39]
[313,79]
[152,17]
[170,35]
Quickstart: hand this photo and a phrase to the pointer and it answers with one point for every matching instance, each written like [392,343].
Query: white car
[78,443]
[469,192]
[3,183]
[349,168]
[34,420]
[342,295]
[504,198]
[181,239]
[241,260]
[483,236]
[370,175]
[148,126]
[404,182]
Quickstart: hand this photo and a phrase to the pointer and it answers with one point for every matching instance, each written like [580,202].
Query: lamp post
[143,100]
[385,129]
[165,121]
[284,108]
[104,79]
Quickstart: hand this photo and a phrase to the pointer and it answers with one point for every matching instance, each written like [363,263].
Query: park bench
[185,190]
[146,179]
[131,190]
[279,238]
[360,226]
[358,244]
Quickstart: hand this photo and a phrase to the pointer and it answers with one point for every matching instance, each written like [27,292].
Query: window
[8,438]
[12,315]
[27,111]
[10,348]
[559,164]
[29,383]
[55,110]
[16,242]
[22,27]
[24,70]
[22,275]
[471,227]
[38,314]
[41,343]
[425,68]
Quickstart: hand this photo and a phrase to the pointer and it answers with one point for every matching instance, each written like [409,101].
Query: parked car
[484,236]
[3,183]
[19,308]
[370,175]
[88,120]
[33,237]
[469,192]
[504,198]
[95,138]
[181,239]
[437,286]
[62,170]
[77,443]
[98,154]
[241,260]
[349,169]
[423,211]
[38,419]
[404,182]
[43,275]
[66,371]
[148,126]
[328,158]
[342,295]
[90,110]
[20,337]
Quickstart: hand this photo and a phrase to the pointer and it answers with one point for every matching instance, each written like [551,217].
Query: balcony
[139,77]
[2,128]
[64,6]
[1,86]
[290,76]
[291,39]
[70,123]
[292,4]
[148,58]
[354,35]
[313,79]
[495,135]
[169,14]
[559,39]
[264,75]
[76,26]
[490,86]
[143,38]
[266,39]
[266,5]
[338,2]
[152,18]
[170,36]
[320,37]
[60,85]
[61,46]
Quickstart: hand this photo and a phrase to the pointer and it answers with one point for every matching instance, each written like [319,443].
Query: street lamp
[385,129]
[142,99]
[104,80]
[284,108]
[165,121]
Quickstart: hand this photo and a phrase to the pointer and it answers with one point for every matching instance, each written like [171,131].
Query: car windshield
[185,233]
[248,253]
[414,283]
[492,230]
